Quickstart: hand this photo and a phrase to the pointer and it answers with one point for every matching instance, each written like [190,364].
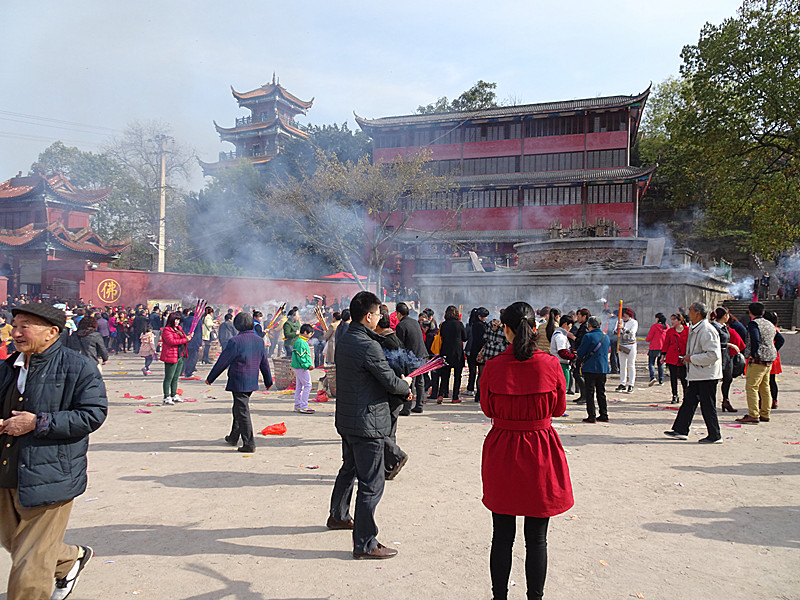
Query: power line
[47,125]
[38,138]
[61,121]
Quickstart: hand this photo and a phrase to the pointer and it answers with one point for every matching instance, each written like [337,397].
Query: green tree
[479,96]
[354,212]
[736,133]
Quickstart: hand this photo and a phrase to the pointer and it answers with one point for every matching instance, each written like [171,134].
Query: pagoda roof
[222,164]
[601,103]
[22,188]
[270,90]
[84,241]
[551,178]
[274,124]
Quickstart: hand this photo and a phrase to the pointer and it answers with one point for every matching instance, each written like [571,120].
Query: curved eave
[558,178]
[265,92]
[264,127]
[544,109]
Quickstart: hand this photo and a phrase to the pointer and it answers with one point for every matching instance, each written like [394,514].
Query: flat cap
[52,315]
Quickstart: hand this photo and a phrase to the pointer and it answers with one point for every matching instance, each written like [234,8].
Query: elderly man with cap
[52,399]
[244,356]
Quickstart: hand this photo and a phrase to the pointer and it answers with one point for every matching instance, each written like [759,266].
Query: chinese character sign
[109,291]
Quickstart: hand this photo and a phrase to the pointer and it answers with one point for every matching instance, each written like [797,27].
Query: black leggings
[727,380]
[773,387]
[677,372]
[535,554]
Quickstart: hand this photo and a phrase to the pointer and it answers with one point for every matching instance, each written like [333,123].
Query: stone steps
[784,309]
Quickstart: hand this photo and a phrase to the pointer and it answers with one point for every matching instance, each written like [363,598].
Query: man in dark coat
[192,348]
[364,381]
[244,356]
[139,326]
[410,335]
[52,399]
[227,331]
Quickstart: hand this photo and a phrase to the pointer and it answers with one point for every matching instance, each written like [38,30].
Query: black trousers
[444,381]
[392,454]
[206,350]
[773,388]
[727,380]
[677,373]
[595,384]
[613,359]
[473,373]
[478,382]
[418,388]
[190,362]
[535,554]
[242,426]
[362,460]
[703,393]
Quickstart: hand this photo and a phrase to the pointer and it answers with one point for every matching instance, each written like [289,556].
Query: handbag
[625,349]
[436,345]
[738,364]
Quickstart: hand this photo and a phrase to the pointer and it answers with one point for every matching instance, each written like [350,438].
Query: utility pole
[162,208]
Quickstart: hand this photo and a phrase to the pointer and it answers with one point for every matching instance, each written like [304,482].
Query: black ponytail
[521,319]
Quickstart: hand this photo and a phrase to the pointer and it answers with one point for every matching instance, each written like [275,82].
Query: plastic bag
[277,429]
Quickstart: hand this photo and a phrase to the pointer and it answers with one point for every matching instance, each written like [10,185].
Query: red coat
[524,468]
[675,345]
[656,336]
[173,344]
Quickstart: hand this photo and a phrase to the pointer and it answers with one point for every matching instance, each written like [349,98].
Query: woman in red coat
[173,351]
[674,347]
[524,469]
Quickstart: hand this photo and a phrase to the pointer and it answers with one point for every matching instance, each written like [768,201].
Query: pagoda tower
[259,136]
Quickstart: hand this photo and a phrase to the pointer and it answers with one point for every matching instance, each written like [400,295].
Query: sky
[81,71]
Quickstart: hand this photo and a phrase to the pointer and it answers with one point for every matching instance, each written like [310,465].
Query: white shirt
[22,378]
[559,341]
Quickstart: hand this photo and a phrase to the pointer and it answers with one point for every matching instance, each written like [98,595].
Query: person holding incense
[524,469]
[302,364]
[291,329]
[173,353]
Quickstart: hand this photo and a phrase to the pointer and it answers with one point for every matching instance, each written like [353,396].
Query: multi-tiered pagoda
[46,242]
[259,136]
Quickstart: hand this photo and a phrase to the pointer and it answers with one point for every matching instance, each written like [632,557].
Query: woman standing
[675,347]
[330,338]
[453,337]
[173,351]
[477,338]
[655,337]
[777,369]
[524,468]
[87,341]
[720,321]
[627,351]
[207,332]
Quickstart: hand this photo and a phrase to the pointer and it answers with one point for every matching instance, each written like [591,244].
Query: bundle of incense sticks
[320,318]
[437,362]
[276,316]
[199,309]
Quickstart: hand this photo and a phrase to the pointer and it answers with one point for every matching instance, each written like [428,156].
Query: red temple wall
[621,212]
[542,217]
[488,219]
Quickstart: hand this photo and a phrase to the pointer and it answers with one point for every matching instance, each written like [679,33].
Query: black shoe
[675,400]
[400,464]
[230,440]
[676,435]
[65,586]
[589,420]
[603,419]
[630,389]
[707,440]
[619,388]
[247,449]
[405,412]
[580,401]
[417,409]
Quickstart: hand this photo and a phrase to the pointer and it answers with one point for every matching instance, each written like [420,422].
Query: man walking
[410,335]
[761,352]
[704,370]
[593,353]
[364,381]
[52,399]
[244,356]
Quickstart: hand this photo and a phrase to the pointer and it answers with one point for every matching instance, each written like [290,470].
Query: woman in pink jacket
[655,337]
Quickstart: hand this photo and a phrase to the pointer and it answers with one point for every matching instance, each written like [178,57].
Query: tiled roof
[267,90]
[83,241]
[260,125]
[556,177]
[57,184]
[566,106]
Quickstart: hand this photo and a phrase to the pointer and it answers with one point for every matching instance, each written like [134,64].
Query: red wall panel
[542,217]
[622,213]
[497,148]
[488,219]
[607,140]
[554,143]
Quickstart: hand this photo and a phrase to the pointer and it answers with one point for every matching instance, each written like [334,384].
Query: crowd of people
[521,366]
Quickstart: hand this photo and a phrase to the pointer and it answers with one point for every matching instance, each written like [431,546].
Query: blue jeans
[653,359]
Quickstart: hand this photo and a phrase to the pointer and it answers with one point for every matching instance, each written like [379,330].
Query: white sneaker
[65,586]
[168,400]
[177,398]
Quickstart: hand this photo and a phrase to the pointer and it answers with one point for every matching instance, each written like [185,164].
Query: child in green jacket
[302,363]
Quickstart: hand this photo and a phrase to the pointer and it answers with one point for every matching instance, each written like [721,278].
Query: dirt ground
[174,513]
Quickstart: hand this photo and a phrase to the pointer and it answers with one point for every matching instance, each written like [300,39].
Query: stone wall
[582,253]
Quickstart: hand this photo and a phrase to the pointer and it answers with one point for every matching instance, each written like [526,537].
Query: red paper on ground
[277,429]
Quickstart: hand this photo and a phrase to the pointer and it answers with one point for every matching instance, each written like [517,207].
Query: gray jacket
[364,381]
[704,352]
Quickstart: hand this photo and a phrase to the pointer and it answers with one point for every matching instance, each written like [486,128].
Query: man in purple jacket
[244,356]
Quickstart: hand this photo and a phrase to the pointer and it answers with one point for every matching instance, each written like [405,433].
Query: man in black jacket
[364,381]
[52,399]
[410,335]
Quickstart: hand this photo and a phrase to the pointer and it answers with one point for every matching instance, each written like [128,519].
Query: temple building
[521,173]
[46,243]
[259,136]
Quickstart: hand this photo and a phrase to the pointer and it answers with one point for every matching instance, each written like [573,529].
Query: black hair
[173,316]
[257,314]
[451,312]
[756,309]
[770,316]
[306,328]
[565,320]
[384,322]
[243,321]
[346,314]
[402,309]
[337,315]
[552,318]
[229,316]
[363,303]
[481,311]
[521,319]
[660,318]
[719,313]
